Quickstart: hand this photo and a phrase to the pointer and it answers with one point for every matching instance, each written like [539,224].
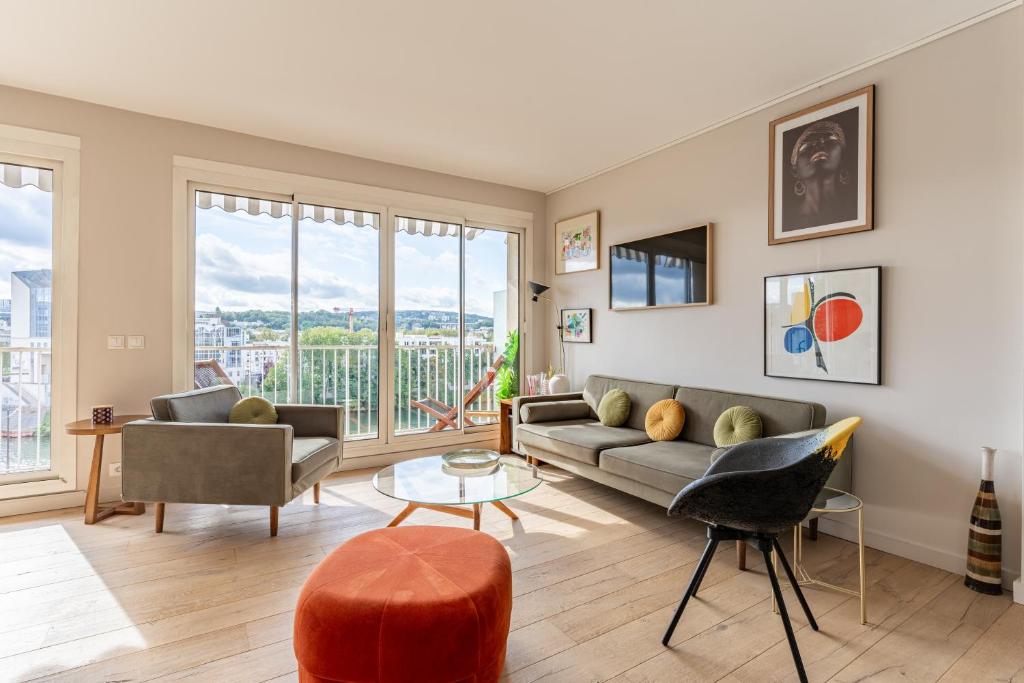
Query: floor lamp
[538,289]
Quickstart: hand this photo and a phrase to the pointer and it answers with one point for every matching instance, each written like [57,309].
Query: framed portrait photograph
[577,325]
[577,241]
[821,169]
[825,325]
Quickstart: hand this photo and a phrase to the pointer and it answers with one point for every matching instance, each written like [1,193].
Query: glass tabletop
[426,480]
[834,500]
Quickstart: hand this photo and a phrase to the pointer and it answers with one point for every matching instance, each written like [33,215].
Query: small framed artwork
[577,241]
[577,325]
[824,325]
[820,164]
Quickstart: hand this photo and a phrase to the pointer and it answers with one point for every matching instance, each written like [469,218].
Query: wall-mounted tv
[673,269]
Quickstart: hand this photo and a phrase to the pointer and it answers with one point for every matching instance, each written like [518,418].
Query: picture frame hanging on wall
[577,325]
[821,169]
[824,325]
[578,243]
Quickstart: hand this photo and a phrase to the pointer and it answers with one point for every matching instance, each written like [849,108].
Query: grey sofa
[563,430]
[189,453]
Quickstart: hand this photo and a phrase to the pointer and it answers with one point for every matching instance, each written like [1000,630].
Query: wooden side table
[505,428]
[93,511]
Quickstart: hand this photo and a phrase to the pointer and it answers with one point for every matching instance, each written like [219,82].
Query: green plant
[508,375]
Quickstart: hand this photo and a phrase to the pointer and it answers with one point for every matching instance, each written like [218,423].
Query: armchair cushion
[212,405]
[254,410]
[312,459]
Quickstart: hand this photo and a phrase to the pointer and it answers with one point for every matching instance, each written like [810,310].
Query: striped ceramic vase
[984,544]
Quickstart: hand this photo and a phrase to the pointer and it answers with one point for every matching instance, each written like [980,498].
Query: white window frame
[61,154]
[190,171]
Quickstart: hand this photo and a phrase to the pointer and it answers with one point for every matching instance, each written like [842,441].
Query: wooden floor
[596,576]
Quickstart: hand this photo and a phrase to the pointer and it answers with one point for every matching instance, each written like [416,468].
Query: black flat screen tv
[673,269]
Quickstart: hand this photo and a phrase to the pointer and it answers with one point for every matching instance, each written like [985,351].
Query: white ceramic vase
[558,384]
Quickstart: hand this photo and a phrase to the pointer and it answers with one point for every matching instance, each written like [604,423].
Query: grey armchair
[190,453]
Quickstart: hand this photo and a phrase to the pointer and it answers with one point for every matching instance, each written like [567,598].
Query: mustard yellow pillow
[665,420]
[254,410]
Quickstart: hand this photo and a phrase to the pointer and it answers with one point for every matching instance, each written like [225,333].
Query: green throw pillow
[254,410]
[613,410]
[736,425]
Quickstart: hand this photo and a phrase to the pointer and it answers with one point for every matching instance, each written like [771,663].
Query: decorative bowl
[470,459]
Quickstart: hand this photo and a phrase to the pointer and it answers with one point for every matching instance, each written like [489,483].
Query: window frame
[59,153]
[388,203]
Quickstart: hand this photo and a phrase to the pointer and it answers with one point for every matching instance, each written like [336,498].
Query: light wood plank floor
[597,574]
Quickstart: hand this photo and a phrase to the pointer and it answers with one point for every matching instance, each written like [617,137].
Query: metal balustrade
[24,409]
[349,376]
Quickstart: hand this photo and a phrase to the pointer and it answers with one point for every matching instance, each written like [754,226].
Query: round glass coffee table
[428,483]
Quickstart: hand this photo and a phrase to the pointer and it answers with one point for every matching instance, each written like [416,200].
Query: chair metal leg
[705,559]
[795,584]
[785,616]
[700,579]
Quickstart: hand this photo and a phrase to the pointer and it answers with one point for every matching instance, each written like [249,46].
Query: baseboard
[1018,591]
[951,562]
[45,503]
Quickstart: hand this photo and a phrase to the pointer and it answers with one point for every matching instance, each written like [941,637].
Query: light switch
[136,341]
[115,341]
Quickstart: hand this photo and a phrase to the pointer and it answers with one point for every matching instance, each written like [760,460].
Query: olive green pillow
[613,410]
[736,425]
[254,410]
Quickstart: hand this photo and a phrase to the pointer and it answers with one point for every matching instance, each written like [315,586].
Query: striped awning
[13,175]
[252,206]
[416,226]
[326,214]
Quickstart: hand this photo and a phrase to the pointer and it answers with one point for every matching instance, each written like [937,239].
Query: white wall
[948,232]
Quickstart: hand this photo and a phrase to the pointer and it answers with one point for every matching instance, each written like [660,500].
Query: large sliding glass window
[287,302]
[26,282]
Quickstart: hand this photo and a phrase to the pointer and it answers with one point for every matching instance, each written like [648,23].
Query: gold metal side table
[832,501]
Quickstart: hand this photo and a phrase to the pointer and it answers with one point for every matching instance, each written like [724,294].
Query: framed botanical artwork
[825,325]
[577,325]
[820,165]
[577,241]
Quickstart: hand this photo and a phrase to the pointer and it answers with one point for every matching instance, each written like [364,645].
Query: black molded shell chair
[752,493]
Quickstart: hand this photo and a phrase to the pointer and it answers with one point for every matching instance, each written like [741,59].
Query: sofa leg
[741,555]
[812,529]
[316,493]
[273,520]
[159,522]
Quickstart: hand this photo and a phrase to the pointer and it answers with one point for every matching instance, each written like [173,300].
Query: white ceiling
[531,93]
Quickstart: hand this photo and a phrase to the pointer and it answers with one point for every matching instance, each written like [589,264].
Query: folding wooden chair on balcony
[209,373]
[447,415]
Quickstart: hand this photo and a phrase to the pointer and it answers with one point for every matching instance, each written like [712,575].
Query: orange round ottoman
[415,603]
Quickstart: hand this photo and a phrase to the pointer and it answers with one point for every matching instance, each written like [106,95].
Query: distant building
[5,312]
[31,304]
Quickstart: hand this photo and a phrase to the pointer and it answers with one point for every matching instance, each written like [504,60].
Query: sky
[243,262]
[26,232]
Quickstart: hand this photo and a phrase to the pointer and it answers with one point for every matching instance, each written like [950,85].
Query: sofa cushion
[212,405]
[310,453]
[642,395]
[550,411]
[581,440]
[665,465]
[778,415]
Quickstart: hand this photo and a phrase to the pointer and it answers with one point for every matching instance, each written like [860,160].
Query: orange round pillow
[665,419]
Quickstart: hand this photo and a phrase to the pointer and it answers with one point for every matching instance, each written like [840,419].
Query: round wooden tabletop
[90,428]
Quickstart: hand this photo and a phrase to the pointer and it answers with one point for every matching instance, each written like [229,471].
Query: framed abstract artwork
[824,325]
[577,241]
[820,164]
[577,325]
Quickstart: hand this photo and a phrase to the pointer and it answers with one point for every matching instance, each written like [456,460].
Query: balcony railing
[349,376]
[24,409]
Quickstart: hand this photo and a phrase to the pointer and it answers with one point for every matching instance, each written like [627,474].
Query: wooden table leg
[93,512]
[504,508]
[92,493]
[409,509]
[741,555]
[476,516]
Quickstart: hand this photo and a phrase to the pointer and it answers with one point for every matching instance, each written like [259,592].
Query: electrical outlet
[115,469]
[136,341]
[115,341]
